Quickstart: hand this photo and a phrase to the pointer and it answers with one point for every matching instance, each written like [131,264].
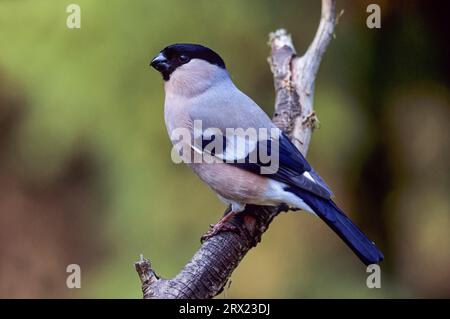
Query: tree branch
[208,271]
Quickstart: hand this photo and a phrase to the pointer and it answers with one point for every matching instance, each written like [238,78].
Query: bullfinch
[233,146]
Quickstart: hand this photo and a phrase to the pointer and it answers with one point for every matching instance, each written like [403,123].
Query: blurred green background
[85,169]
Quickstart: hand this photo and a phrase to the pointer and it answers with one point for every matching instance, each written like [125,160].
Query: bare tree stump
[212,265]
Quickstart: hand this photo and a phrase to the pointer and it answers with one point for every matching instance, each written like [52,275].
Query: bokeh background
[85,169]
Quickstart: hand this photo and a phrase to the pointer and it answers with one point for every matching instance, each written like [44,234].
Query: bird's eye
[184,58]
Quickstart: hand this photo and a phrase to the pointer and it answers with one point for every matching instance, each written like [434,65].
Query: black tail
[328,211]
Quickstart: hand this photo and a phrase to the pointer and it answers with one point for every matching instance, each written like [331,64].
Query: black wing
[277,158]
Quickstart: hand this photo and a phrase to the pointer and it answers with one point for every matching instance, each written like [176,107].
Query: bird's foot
[220,227]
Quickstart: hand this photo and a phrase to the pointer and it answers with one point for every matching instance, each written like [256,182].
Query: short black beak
[160,63]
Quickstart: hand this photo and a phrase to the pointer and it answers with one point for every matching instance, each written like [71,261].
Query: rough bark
[208,271]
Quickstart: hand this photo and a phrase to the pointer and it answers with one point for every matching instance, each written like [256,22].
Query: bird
[201,105]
